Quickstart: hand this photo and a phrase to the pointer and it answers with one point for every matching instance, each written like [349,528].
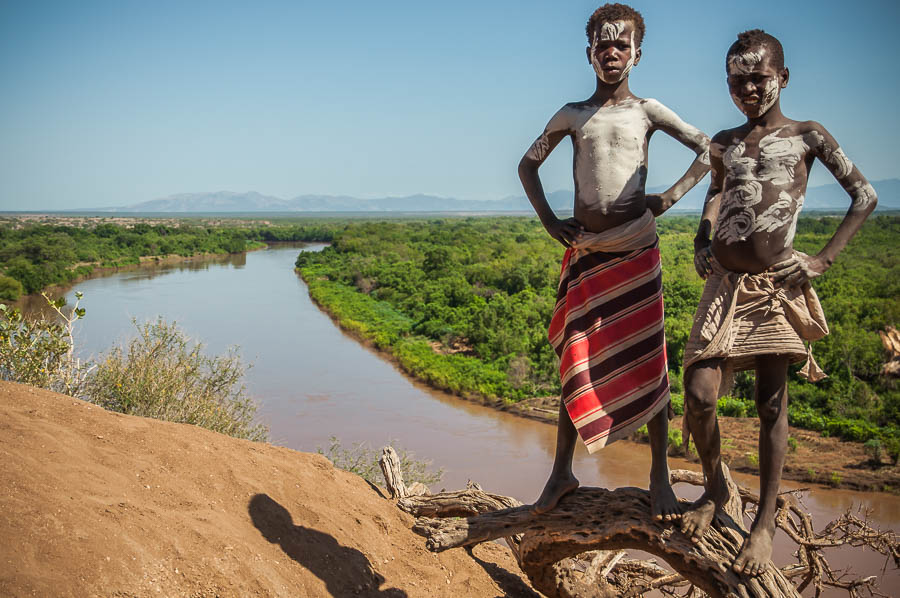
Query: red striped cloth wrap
[608,331]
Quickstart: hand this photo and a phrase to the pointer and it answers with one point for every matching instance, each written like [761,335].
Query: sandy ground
[94,503]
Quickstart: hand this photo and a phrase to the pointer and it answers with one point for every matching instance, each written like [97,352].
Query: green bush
[161,374]
[41,352]
[733,407]
[892,447]
[10,288]
[875,450]
[792,444]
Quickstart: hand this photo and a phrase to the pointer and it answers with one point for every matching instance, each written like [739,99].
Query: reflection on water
[314,382]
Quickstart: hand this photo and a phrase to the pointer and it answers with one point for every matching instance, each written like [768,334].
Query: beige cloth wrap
[634,234]
[742,315]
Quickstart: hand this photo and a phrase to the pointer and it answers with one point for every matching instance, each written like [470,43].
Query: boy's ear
[785,75]
[637,56]
[587,52]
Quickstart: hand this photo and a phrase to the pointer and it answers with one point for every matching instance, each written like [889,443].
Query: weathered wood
[393,477]
[600,519]
[558,550]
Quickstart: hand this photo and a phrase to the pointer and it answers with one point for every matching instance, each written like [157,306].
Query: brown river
[313,382]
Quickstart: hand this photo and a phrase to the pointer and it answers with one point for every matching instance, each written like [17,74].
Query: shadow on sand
[345,571]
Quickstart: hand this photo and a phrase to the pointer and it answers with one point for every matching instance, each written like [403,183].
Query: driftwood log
[578,548]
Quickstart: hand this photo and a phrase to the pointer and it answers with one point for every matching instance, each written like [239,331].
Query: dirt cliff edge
[94,503]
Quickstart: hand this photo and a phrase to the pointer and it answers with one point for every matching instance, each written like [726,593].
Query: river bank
[812,458]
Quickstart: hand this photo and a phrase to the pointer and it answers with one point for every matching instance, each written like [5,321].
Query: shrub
[732,407]
[677,401]
[675,442]
[161,374]
[875,450]
[641,434]
[41,352]
[835,479]
[792,444]
[363,461]
[892,446]
[10,288]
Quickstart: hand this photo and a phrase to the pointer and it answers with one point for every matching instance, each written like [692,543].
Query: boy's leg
[701,387]
[771,404]
[561,481]
[663,503]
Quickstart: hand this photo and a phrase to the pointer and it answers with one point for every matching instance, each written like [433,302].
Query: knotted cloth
[742,315]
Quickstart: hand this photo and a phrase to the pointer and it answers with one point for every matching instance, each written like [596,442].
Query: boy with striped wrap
[607,327]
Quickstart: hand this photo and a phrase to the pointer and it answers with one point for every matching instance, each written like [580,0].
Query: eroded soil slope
[94,503]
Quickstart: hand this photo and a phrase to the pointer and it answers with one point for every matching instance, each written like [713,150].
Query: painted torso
[765,182]
[610,165]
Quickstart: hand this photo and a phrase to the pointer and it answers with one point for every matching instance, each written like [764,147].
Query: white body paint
[610,149]
[778,158]
[863,195]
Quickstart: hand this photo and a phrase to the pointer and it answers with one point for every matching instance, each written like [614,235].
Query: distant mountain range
[825,197]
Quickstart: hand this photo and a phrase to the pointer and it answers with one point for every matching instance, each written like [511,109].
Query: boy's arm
[797,270]
[564,231]
[703,240]
[667,121]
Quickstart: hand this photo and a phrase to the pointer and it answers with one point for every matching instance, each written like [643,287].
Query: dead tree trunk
[577,549]
[599,519]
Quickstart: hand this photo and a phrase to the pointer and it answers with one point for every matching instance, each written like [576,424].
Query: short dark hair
[609,13]
[755,38]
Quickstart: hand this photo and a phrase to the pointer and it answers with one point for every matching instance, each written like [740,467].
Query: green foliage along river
[34,256]
[464,303]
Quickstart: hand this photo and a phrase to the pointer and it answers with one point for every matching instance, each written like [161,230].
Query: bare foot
[755,553]
[556,488]
[663,502]
[698,517]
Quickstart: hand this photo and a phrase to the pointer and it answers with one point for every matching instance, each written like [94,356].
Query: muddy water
[313,382]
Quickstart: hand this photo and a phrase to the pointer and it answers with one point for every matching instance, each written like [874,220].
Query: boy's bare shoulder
[654,109]
[726,137]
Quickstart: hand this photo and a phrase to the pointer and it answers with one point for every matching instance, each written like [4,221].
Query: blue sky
[113,103]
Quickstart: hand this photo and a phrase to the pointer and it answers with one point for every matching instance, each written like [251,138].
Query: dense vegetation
[34,256]
[464,304]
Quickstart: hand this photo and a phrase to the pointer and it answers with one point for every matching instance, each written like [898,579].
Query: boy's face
[612,52]
[753,82]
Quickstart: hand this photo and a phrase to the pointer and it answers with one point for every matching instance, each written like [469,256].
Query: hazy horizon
[109,104]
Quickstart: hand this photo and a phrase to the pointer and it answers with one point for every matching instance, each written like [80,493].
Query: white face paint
[743,64]
[770,93]
[740,65]
[611,32]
